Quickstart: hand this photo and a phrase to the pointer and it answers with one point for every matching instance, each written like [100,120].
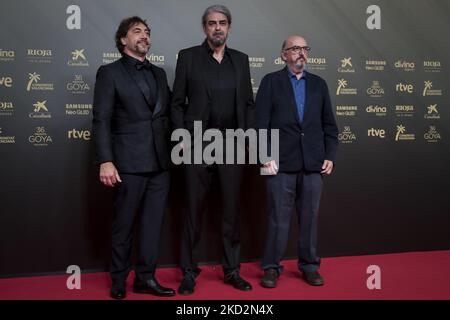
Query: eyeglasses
[298,49]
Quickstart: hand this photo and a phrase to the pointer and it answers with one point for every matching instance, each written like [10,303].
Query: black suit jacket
[125,130]
[303,146]
[191,90]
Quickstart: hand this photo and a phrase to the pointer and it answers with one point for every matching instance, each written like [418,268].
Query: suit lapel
[159,85]
[142,86]
[201,59]
[289,92]
[309,95]
[236,71]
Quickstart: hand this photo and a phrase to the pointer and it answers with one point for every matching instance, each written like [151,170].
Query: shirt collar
[130,61]
[210,50]
[292,75]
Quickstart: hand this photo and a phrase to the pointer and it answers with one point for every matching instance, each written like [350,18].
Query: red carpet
[404,276]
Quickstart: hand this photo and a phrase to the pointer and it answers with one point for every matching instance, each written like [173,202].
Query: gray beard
[140,49]
[217,42]
[299,66]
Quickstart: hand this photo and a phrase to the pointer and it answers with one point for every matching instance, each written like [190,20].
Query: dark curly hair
[124,26]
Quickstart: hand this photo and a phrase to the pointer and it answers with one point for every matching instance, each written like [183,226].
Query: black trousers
[198,182]
[289,192]
[143,196]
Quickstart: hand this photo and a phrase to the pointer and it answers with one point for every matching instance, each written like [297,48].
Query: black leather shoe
[313,278]
[151,286]
[118,290]
[187,285]
[236,281]
[270,278]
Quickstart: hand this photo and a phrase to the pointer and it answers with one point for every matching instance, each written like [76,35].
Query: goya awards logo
[347,136]
[40,138]
[346,111]
[78,59]
[7,55]
[256,62]
[40,111]
[34,83]
[375,65]
[6,139]
[6,108]
[342,88]
[432,112]
[346,66]
[432,135]
[427,91]
[77,85]
[402,135]
[375,90]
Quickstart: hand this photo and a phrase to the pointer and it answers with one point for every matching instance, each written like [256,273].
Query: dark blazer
[190,82]
[125,130]
[303,146]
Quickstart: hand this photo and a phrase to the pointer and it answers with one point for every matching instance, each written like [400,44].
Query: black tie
[144,64]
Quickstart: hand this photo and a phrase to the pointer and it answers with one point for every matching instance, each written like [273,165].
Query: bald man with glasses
[297,103]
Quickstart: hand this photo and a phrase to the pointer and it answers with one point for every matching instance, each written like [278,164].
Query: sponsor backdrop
[386,64]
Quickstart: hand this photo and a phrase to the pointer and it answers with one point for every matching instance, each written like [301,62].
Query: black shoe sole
[315,284]
[185,292]
[118,297]
[266,285]
[154,293]
[242,289]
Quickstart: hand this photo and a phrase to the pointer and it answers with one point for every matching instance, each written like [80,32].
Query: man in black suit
[131,135]
[297,103]
[215,81]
